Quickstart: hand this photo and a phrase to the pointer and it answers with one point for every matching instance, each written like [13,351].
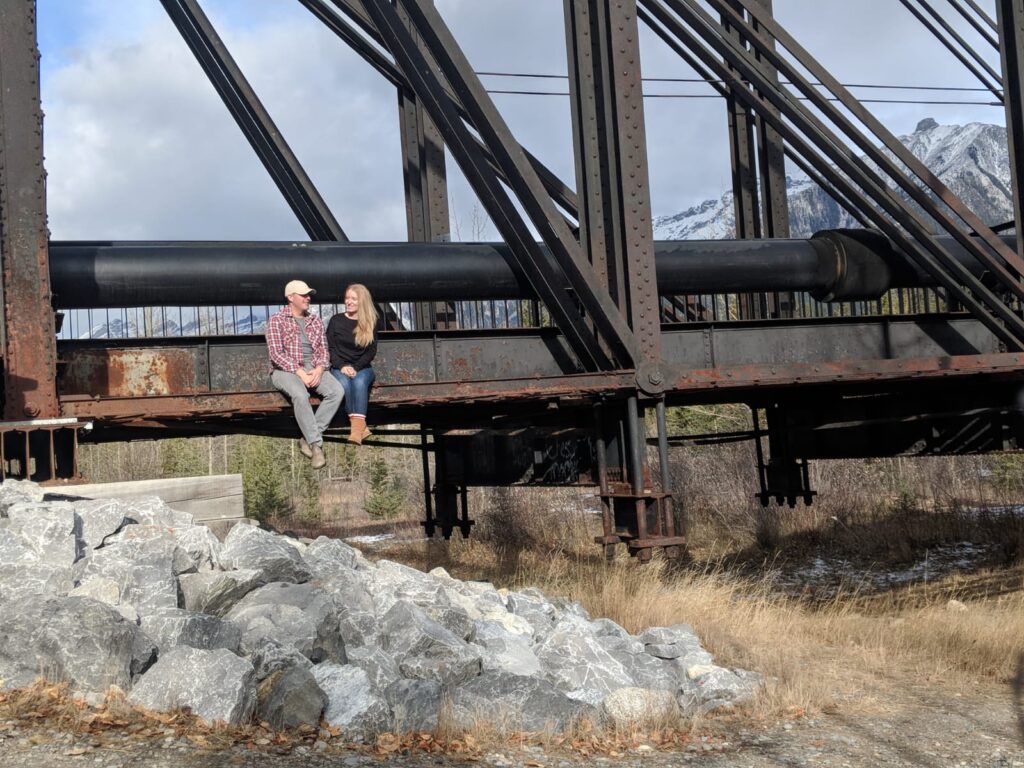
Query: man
[298,359]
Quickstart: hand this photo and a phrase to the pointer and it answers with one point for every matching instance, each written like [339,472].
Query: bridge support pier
[447,501]
[637,508]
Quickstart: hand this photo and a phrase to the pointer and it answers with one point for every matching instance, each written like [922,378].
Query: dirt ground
[904,723]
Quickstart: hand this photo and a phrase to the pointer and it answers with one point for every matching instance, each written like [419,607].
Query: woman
[352,344]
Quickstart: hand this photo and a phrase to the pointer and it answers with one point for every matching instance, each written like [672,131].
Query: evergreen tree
[386,496]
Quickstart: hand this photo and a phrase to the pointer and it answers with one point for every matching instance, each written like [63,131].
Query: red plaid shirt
[284,345]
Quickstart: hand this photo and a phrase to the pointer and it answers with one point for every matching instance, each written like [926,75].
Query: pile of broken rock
[132,594]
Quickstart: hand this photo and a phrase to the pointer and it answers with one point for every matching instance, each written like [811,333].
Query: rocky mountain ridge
[972,160]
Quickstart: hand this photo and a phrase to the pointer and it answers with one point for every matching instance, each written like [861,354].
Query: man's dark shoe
[304,448]
[319,460]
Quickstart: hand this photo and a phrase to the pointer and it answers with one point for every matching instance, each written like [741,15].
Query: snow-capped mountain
[971,160]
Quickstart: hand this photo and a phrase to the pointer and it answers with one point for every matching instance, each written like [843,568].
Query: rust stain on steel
[174,406]
[115,373]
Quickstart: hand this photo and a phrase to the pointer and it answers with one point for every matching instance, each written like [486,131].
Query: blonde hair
[366,315]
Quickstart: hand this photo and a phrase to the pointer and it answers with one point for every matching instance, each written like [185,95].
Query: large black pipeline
[833,265]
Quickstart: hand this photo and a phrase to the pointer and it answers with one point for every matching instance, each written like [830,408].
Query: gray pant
[331,395]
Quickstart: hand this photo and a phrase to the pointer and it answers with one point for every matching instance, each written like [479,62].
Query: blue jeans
[357,390]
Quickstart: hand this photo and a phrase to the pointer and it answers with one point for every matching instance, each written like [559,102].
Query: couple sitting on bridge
[301,353]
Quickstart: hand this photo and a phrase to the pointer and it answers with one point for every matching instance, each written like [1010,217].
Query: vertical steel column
[610,141]
[1010,19]
[743,161]
[771,162]
[426,185]
[29,338]
[771,158]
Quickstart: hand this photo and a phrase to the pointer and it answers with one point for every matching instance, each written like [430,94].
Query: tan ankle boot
[357,429]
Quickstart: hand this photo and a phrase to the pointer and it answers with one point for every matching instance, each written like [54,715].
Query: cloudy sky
[139,146]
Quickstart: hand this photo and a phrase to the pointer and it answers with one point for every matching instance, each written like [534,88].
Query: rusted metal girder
[426,188]
[196,377]
[29,342]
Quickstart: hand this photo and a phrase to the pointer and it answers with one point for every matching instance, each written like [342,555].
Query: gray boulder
[577,663]
[152,510]
[17,492]
[202,546]
[298,615]
[379,665]
[415,705]
[424,649]
[216,685]
[51,530]
[289,698]
[145,571]
[216,593]
[198,548]
[718,688]
[393,582]
[270,657]
[353,704]
[22,574]
[329,559]
[640,706]
[505,651]
[249,547]
[100,518]
[650,672]
[357,608]
[515,703]
[106,591]
[78,640]
[175,626]
[613,638]
[532,606]
[670,642]
[18,580]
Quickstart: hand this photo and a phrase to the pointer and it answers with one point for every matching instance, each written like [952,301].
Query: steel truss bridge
[903,338]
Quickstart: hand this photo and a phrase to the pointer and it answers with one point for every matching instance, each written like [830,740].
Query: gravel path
[923,725]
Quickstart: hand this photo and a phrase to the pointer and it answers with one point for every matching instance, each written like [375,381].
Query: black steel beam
[254,121]
[1010,16]
[27,327]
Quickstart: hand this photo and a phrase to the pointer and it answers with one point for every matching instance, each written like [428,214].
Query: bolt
[31,411]
[655,378]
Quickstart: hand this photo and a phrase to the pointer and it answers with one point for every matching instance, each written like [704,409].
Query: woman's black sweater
[341,343]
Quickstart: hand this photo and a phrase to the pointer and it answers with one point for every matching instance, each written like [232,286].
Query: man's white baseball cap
[299,287]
